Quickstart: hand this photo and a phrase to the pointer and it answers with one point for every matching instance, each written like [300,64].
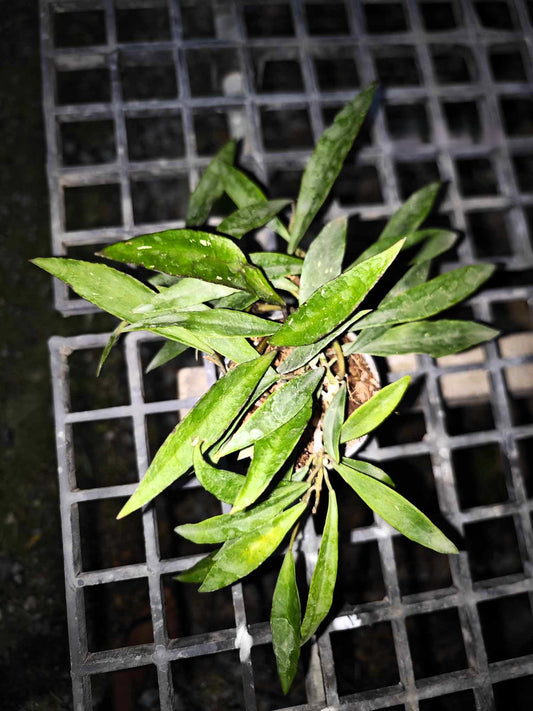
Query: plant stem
[341,363]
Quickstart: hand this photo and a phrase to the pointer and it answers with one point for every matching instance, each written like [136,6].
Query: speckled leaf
[368,469]
[334,302]
[430,298]
[323,261]
[239,301]
[280,407]
[187,292]
[248,552]
[234,525]
[197,572]
[363,337]
[412,213]
[333,419]
[411,240]
[192,253]
[223,484]
[372,413]
[210,187]
[417,274]
[436,245]
[207,421]
[236,348]
[397,511]
[168,351]
[325,574]
[270,453]
[113,338]
[435,338]
[285,622]
[276,264]
[326,162]
[251,217]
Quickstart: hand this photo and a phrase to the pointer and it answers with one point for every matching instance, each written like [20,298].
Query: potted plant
[290,332]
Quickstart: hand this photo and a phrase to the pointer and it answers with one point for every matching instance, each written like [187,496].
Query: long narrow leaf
[285,622]
[197,572]
[210,187]
[223,484]
[412,213]
[168,351]
[323,261]
[416,275]
[251,217]
[333,419]
[113,338]
[372,413]
[276,264]
[368,469]
[436,245]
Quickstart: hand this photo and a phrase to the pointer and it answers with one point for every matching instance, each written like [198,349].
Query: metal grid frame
[384,154]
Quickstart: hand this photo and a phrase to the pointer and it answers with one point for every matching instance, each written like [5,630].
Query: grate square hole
[83,86]
[258,589]
[453,65]
[286,129]
[118,615]
[518,116]
[197,20]
[413,477]
[463,120]
[353,512]
[402,427]
[480,476]
[420,569]
[213,72]
[384,17]
[492,548]
[211,128]
[507,626]
[414,175]
[104,453]
[476,177]
[364,658]
[494,14]
[353,588]
[138,685]
[523,168]
[87,392]
[151,77]
[473,417]
[182,377]
[326,18]
[507,64]
[488,230]
[201,682]
[142,24]
[514,693]
[512,315]
[408,122]
[267,688]
[357,184]
[273,73]
[436,643]
[335,73]
[283,182]
[159,200]
[189,612]
[155,137]
[525,454]
[79,29]
[439,16]
[268,20]
[88,142]
[397,67]
[460,701]
[92,206]
[521,409]
[108,543]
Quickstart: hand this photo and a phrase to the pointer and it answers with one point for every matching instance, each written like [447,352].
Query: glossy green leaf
[323,261]
[197,572]
[417,274]
[248,552]
[236,348]
[280,407]
[362,338]
[436,245]
[244,192]
[251,217]
[239,301]
[223,484]
[397,511]
[113,338]
[368,469]
[207,421]
[372,413]
[333,420]
[163,281]
[210,187]
[285,622]
[326,162]
[300,474]
[334,302]
[325,574]
[195,254]
[187,292]
[270,453]
[435,338]
[284,284]
[412,213]
[168,351]
[234,525]
[277,264]
[411,240]
[430,298]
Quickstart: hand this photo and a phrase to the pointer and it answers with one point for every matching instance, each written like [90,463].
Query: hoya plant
[290,332]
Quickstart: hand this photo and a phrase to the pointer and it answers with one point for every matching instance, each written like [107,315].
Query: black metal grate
[138,94]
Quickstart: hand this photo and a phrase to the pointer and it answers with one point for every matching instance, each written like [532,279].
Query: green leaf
[436,245]
[368,469]
[244,192]
[397,511]
[113,338]
[428,299]
[326,162]
[210,187]
[168,351]
[187,292]
[333,302]
[380,245]
[236,348]
[198,571]
[325,573]
[280,407]
[300,474]
[283,284]
[323,261]
[248,552]
[249,218]
[270,453]
[412,213]
[223,484]
[363,337]
[285,621]
[196,254]
[333,419]
[417,274]
[234,525]
[372,413]
[207,421]
[239,301]
[435,338]
[276,264]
